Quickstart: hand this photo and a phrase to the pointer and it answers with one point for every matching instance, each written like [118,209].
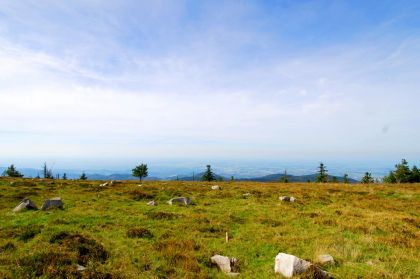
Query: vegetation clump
[403,174]
[139,233]
[87,249]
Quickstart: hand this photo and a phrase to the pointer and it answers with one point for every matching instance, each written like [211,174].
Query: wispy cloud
[179,79]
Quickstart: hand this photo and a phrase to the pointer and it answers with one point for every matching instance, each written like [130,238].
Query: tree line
[401,174]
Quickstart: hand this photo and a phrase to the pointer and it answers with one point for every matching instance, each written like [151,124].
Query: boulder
[224,263]
[289,266]
[287,199]
[52,203]
[216,187]
[325,259]
[180,200]
[246,195]
[25,204]
[152,203]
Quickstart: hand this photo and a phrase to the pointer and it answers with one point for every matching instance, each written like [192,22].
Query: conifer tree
[13,172]
[47,172]
[284,178]
[64,176]
[367,178]
[83,176]
[208,175]
[346,178]
[322,174]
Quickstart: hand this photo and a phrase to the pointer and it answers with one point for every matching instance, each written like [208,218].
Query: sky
[100,82]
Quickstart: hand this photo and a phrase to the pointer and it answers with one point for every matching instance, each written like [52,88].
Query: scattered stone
[152,203]
[80,267]
[25,204]
[326,259]
[287,198]
[224,263]
[180,200]
[52,203]
[103,184]
[216,187]
[289,266]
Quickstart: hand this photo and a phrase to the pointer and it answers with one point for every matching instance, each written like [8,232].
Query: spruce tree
[402,172]
[47,172]
[13,172]
[415,175]
[284,178]
[367,178]
[346,178]
[64,176]
[322,174]
[208,175]
[83,176]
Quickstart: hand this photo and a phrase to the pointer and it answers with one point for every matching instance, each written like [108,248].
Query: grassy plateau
[372,231]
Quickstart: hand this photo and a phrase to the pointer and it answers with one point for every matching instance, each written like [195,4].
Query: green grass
[372,231]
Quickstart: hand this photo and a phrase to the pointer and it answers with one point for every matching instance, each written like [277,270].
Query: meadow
[372,231]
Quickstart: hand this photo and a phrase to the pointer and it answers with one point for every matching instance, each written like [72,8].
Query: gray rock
[224,263]
[216,187]
[325,259]
[152,203]
[52,203]
[289,266]
[287,199]
[180,200]
[25,204]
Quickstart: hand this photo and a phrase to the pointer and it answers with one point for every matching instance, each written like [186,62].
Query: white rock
[51,203]
[140,185]
[180,200]
[103,184]
[25,204]
[216,187]
[80,267]
[289,265]
[222,262]
[152,203]
[287,198]
[326,259]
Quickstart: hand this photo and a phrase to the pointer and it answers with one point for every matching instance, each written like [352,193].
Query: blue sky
[283,80]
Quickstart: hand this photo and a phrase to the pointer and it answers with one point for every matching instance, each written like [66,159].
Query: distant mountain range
[267,178]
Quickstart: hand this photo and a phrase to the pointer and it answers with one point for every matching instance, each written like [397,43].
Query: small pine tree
[208,174]
[232,178]
[13,172]
[284,178]
[402,172]
[64,177]
[83,176]
[322,174]
[334,179]
[367,178]
[390,178]
[140,171]
[415,175]
[346,178]
[47,172]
